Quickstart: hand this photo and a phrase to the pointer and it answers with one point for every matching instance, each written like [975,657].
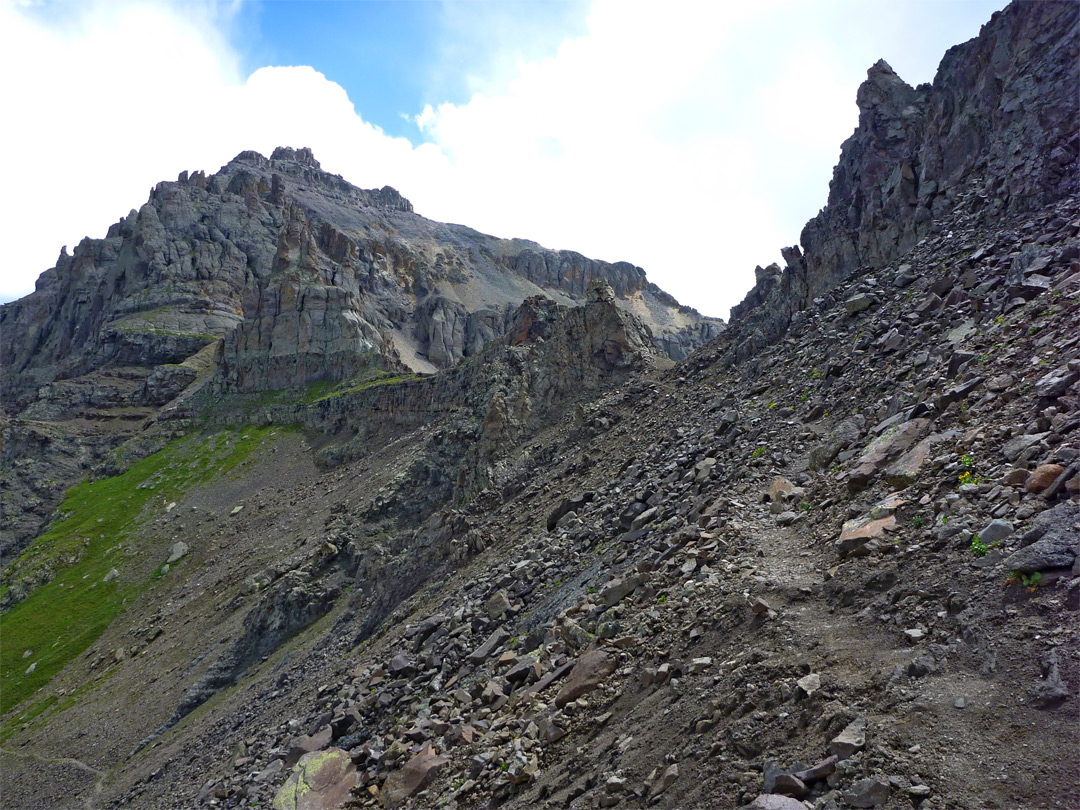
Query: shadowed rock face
[995,132]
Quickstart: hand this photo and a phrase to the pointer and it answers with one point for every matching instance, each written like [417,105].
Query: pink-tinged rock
[857,533]
[305,745]
[321,781]
[413,776]
[1042,477]
[588,673]
[905,471]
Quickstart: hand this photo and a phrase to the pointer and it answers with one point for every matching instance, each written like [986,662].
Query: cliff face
[997,130]
[304,276]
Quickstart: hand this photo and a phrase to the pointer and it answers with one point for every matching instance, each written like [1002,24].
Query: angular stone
[411,777]
[1052,542]
[856,533]
[774,801]
[589,672]
[790,785]
[648,516]
[957,393]
[401,666]
[179,549]
[842,436]
[568,505]
[1015,447]
[698,665]
[305,745]
[858,303]
[809,683]
[891,442]
[618,589]
[786,518]
[905,470]
[822,770]
[497,605]
[671,773]
[867,793]
[1015,478]
[995,531]
[1056,382]
[322,780]
[850,740]
[493,642]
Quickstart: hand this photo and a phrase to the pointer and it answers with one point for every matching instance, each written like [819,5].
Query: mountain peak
[304,156]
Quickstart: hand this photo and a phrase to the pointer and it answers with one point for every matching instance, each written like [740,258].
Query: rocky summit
[312,503]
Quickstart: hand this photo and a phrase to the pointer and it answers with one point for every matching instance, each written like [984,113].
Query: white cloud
[692,139]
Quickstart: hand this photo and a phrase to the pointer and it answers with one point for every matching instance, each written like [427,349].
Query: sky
[693,139]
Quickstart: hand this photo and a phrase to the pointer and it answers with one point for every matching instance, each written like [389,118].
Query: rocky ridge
[271,274]
[832,565]
[997,129]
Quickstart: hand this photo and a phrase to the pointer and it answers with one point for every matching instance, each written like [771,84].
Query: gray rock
[497,605]
[1055,383]
[867,793]
[995,531]
[858,303]
[850,740]
[484,651]
[1052,541]
[178,551]
[774,801]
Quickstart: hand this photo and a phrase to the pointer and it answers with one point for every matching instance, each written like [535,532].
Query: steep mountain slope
[827,560]
[302,278]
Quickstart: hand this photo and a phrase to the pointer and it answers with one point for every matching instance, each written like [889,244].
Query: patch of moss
[368,381]
[62,618]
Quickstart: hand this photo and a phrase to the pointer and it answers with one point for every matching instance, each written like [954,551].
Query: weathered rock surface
[322,780]
[919,153]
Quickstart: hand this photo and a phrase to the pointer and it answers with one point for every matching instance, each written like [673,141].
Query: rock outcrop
[996,133]
[306,278]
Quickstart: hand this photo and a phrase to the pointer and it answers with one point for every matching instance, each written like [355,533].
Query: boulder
[321,781]
[588,673]
[1052,541]
[411,777]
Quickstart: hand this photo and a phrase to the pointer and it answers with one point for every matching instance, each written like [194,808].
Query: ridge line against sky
[691,139]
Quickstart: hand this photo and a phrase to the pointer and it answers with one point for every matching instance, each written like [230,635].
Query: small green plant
[1028,581]
[917,522]
[661,599]
[967,462]
[806,506]
[965,477]
[772,405]
[758,452]
[978,547]
[805,396]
